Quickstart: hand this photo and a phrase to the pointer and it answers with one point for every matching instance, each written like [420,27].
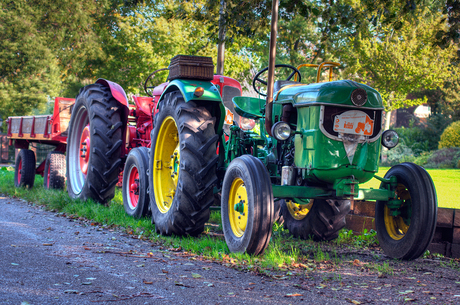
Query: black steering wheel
[150,78]
[257,79]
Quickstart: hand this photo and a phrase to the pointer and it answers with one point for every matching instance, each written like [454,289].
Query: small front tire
[406,232]
[135,181]
[247,207]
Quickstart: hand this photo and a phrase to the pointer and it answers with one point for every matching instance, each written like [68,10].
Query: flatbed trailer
[43,129]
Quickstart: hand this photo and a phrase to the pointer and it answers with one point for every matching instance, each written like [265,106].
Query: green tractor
[316,143]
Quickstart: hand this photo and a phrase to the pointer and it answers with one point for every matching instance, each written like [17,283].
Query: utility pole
[221,45]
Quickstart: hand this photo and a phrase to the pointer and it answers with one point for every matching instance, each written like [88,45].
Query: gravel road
[50,259]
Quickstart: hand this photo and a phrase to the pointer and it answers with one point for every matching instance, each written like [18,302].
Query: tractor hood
[336,92]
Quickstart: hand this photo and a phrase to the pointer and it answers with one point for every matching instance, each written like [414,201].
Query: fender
[117,91]
[211,94]
[119,94]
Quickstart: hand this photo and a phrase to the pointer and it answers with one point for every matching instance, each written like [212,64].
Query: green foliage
[423,137]
[364,240]
[444,158]
[451,136]
[399,62]
[44,45]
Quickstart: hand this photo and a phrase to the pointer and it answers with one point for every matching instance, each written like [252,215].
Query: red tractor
[109,139]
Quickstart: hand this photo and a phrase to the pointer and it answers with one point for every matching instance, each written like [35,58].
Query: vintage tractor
[324,141]
[316,144]
[109,138]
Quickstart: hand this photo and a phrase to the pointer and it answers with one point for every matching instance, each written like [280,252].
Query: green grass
[284,253]
[446,182]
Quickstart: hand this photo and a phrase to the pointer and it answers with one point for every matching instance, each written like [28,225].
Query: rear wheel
[135,181]
[317,218]
[405,231]
[24,171]
[182,166]
[94,144]
[54,176]
[247,206]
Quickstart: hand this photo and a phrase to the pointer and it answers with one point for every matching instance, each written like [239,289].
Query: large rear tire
[135,183]
[54,176]
[24,170]
[406,232]
[182,166]
[247,206]
[93,145]
[319,218]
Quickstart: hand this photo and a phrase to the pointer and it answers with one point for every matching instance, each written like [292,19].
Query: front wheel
[182,166]
[318,218]
[24,170]
[135,181]
[405,231]
[247,206]
[54,176]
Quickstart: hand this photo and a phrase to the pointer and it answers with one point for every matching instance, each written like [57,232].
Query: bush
[451,136]
[401,153]
[423,136]
[444,158]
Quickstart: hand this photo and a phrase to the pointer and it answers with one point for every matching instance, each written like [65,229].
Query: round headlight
[359,97]
[247,124]
[281,131]
[390,139]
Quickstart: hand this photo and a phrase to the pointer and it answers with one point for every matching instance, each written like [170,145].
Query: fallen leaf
[178,283]
[409,300]
[14,264]
[47,244]
[147,283]
[86,283]
[71,291]
[164,271]
[356,263]
[196,275]
[289,295]
[91,278]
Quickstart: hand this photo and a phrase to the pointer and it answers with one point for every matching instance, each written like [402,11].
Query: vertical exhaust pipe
[271,67]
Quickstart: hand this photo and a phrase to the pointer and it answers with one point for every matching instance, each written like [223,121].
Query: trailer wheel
[24,171]
[247,206]
[182,166]
[406,232]
[318,218]
[135,181]
[54,175]
[93,146]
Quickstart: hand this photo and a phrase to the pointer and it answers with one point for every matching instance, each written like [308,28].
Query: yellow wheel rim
[298,211]
[395,225]
[238,207]
[166,164]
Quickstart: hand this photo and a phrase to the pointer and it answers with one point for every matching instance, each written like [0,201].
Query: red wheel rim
[133,187]
[48,176]
[84,149]
[19,171]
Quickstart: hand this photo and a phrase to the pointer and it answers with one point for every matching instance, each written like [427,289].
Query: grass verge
[284,253]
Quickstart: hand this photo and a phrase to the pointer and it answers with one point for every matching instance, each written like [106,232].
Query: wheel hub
[238,207]
[84,149]
[298,211]
[133,185]
[166,164]
[397,218]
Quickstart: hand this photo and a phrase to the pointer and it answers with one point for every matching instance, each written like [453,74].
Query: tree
[45,44]
[398,63]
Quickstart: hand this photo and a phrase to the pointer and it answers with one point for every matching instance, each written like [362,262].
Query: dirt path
[50,259]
